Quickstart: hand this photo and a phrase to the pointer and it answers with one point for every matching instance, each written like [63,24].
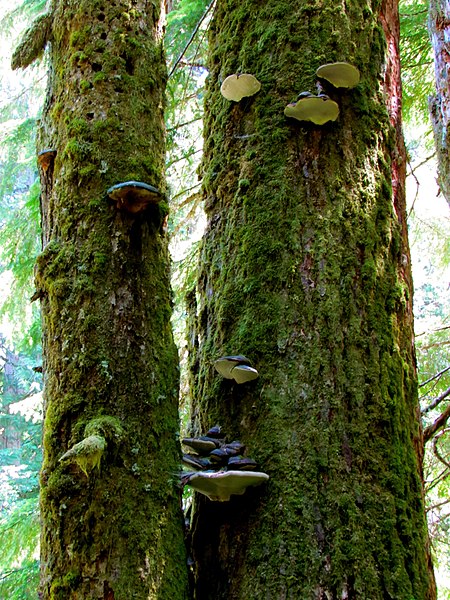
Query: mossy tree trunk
[112,524]
[305,269]
[439,28]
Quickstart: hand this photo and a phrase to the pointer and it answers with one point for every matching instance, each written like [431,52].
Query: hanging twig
[191,39]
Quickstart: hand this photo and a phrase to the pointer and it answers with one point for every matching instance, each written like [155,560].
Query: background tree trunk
[439,29]
[305,269]
[111,370]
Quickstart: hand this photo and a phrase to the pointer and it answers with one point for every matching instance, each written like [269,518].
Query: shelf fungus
[46,157]
[339,74]
[203,445]
[134,196]
[236,367]
[316,109]
[221,485]
[238,86]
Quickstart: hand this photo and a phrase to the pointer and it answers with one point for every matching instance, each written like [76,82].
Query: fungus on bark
[236,367]
[134,196]
[316,109]
[238,86]
[244,373]
[222,485]
[339,74]
[201,445]
[46,157]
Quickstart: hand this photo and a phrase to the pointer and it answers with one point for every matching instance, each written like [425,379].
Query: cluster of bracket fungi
[308,107]
[220,467]
[135,196]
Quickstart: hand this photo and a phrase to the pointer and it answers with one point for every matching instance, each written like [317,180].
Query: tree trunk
[112,524]
[439,29]
[305,270]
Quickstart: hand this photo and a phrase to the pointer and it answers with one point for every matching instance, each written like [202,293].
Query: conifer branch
[33,42]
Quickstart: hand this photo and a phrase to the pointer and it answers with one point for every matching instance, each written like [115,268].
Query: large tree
[305,269]
[439,27]
[111,517]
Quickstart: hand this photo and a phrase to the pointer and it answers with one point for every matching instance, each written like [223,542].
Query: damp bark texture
[439,30]
[305,269]
[111,519]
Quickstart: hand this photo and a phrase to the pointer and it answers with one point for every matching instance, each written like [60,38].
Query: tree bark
[111,518]
[439,29]
[305,269]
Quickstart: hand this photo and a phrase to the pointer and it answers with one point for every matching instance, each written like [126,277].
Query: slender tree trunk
[439,29]
[111,520]
[305,269]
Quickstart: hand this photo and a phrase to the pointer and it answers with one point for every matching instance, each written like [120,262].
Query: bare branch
[436,401]
[436,376]
[439,423]
[191,39]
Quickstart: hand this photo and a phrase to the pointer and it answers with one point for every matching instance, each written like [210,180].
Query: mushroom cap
[244,373]
[316,109]
[242,463]
[202,446]
[226,364]
[45,157]
[195,461]
[215,432]
[339,74]
[222,485]
[134,196]
[235,87]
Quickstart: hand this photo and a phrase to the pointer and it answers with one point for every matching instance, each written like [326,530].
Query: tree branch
[436,376]
[440,422]
[436,401]
[191,39]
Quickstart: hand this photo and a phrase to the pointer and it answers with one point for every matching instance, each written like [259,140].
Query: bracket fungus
[316,109]
[238,86]
[236,367]
[202,445]
[339,74]
[46,157]
[244,373]
[134,196]
[222,485]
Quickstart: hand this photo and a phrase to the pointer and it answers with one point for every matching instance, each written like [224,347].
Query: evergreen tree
[305,269]
[111,520]
[439,20]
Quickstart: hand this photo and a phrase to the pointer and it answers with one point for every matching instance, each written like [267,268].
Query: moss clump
[87,453]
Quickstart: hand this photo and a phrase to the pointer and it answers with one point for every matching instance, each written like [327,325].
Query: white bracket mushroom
[238,86]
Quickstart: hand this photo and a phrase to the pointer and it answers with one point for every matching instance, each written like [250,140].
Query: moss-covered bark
[305,270]
[112,525]
[438,26]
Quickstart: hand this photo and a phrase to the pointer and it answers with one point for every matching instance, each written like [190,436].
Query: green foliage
[416,60]
[19,532]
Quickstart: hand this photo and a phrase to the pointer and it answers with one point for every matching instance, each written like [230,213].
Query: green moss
[85,85]
[99,77]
